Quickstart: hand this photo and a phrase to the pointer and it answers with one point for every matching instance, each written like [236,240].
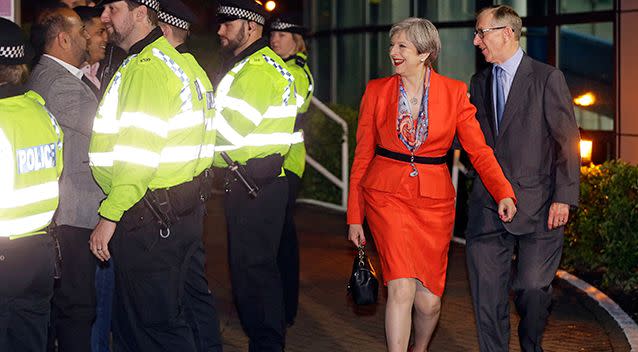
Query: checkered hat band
[282,26]
[12,52]
[241,13]
[153,4]
[173,21]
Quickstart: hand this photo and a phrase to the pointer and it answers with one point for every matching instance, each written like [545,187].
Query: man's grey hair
[422,34]
[505,15]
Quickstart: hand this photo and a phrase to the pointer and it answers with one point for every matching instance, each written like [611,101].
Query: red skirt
[412,234]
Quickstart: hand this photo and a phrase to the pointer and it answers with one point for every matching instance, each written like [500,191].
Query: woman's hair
[299,43]
[14,74]
[422,34]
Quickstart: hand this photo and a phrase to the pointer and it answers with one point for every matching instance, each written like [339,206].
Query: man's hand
[355,234]
[100,237]
[558,215]
[506,209]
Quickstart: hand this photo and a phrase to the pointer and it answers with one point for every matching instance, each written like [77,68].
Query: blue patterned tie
[500,96]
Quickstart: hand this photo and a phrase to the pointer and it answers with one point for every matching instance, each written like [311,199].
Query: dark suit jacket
[74,105]
[537,147]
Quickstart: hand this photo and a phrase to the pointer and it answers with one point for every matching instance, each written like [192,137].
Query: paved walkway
[328,321]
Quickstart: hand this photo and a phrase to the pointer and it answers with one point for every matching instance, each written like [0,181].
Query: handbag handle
[362,255]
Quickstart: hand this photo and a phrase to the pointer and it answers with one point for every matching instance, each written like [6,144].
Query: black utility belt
[167,206]
[437,160]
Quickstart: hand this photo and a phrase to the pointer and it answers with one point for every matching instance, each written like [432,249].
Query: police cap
[288,22]
[230,10]
[151,4]
[176,13]
[12,44]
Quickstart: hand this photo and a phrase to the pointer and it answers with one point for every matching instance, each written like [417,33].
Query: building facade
[591,41]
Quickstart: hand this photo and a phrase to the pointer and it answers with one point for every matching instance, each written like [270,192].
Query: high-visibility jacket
[31,164]
[147,134]
[295,160]
[255,107]
[205,101]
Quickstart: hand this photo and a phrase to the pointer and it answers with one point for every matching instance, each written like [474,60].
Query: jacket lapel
[517,94]
[391,92]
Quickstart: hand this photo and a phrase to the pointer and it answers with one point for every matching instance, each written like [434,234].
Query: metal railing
[341,182]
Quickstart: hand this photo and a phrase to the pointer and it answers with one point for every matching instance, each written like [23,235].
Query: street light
[587,99]
[585,151]
[270,6]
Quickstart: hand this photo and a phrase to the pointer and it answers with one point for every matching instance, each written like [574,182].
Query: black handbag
[363,285]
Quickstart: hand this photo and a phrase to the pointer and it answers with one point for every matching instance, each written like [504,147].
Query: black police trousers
[26,273]
[73,303]
[288,256]
[254,234]
[152,308]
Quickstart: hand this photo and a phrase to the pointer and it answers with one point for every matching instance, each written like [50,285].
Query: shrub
[602,237]
[323,143]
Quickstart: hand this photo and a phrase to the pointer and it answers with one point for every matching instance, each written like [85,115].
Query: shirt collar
[182,48]
[511,65]
[137,48]
[228,65]
[74,70]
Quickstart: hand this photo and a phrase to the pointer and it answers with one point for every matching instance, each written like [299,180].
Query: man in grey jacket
[59,81]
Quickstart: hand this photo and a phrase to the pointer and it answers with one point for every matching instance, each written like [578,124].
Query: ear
[424,57]
[140,13]
[252,26]
[63,39]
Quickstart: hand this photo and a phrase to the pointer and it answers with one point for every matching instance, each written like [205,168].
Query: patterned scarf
[413,131]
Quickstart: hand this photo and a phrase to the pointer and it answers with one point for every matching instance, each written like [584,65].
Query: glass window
[526,8]
[446,10]
[458,56]
[350,13]
[573,6]
[534,42]
[380,65]
[388,11]
[350,78]
[323,13]
[321,53]
[586,57]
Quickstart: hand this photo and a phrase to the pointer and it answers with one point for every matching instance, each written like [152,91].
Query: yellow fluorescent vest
[148,132]
[31,164]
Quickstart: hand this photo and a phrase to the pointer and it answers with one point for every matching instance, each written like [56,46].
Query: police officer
[286,39]
[31,164]
[256,108]
[145,148]
[175,20]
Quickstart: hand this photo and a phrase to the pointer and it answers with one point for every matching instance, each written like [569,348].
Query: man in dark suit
[526,114]
[58,79]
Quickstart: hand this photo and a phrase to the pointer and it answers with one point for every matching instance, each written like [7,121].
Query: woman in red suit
[401,184]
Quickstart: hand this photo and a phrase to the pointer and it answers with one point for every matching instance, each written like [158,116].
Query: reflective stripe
[126,154]
[280,112]
[180,154]
[224,129]
[185,120]
[208,151]
[242,107]
[102,159]
[300,101]
[186,94]
[145,122]
[297,137]
[105,126]
[227,81]
[29,195]
[25,225]
[210,124]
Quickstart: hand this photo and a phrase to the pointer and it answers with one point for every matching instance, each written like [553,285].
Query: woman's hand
[355,234]
[506,209]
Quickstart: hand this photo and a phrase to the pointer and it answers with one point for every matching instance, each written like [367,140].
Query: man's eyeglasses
[481,32]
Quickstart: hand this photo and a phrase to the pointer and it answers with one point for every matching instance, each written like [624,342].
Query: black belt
[409,158]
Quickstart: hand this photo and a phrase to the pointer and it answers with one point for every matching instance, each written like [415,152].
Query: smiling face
[96,45]
[405,58]
[119,23]
[497,45]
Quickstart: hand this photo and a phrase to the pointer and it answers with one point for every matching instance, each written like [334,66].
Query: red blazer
[449,112]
